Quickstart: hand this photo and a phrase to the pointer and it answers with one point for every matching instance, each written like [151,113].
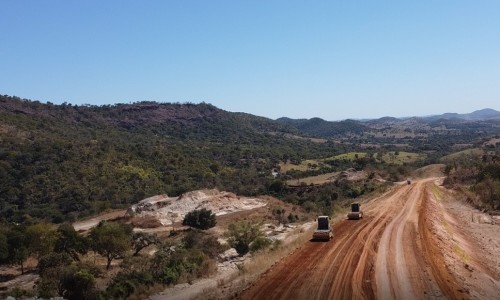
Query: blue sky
[301,59]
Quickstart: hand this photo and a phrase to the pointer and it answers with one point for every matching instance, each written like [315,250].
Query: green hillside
[61,162]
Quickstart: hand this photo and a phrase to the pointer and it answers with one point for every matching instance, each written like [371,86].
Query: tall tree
[70,242]
[4,247]
[111,240]
[41,238]
[18,251]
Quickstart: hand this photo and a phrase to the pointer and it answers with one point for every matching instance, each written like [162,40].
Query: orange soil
[393,253]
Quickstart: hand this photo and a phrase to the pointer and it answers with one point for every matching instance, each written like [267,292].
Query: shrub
[169,265]
[126,284]
[260,243]
[205,242]
[79,285]
[201,219]
[242,234]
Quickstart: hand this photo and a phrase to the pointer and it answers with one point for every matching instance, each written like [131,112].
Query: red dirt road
[390,254]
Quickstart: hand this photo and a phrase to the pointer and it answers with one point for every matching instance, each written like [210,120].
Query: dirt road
[393,253]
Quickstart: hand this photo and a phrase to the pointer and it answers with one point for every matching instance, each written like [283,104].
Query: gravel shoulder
[473,254]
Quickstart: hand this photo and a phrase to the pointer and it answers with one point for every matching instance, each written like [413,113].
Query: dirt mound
[173,209]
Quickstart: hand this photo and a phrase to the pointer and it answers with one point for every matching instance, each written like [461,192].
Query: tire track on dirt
[342,268]
[391,273]
[386,255]
[403,267]
[287,273]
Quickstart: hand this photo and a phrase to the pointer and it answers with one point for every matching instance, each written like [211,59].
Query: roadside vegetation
[477,174]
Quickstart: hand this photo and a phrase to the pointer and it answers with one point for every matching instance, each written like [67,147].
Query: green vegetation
[200,219]
[400,157]
[62,162]
[142,240]
[349,156]
[246,236]
[477,152]
[66,271]
[354,159]
[111,240]
[70,242]
[478,175]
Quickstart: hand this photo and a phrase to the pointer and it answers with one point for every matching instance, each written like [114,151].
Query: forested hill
[200,121]
[61,162]
[320,128]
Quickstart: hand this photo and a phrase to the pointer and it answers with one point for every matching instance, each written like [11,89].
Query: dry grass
[263,261]
[303,166]
[145,222]
[229,287]
[348,156]
[146,292]
[320,179]
[402,157]
[463,153]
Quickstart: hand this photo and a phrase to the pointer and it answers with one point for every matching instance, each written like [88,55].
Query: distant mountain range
[328,129]
[478,115]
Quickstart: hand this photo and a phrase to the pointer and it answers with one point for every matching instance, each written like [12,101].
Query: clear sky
[301,59]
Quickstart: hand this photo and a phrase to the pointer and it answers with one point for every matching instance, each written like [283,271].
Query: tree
[242,234]
[4,247]
[79,285]
[279,214]
[52,269]
[111,240]
[277,187]
[201,219]
[70,242]
[18,252]
[41,238]
[142,240]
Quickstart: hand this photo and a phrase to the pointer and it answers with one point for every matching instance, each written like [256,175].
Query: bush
[260,244]
[126,284]
[201,219]
[205,242]
[242,234]
[169,265]
[79,285]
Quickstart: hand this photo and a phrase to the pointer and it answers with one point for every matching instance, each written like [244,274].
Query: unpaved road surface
[406,247]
